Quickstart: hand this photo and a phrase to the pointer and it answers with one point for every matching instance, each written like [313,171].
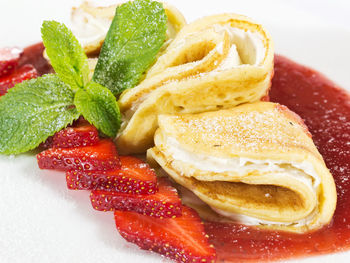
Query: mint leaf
[98,105]
[136,35]
[95,102]
[32,111]
[66,55]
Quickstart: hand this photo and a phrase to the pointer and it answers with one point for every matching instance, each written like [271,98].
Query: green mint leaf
[66,55]
[98,105]
[32,111]
[137,33]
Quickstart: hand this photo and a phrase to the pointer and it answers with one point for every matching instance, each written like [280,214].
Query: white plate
[42,221]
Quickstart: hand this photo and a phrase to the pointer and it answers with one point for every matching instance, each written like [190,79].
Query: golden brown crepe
[215,62]
[255,163]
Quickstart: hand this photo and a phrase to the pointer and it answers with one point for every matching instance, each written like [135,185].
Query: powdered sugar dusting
[252,131]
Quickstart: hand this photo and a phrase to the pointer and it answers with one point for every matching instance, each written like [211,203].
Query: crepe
[213,63]
[255,164]
[91,23]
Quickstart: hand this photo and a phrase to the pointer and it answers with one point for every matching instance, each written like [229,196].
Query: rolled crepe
[255,164]
[213,63]
[91,23]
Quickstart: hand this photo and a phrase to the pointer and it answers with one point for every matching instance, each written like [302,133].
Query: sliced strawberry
[134,177]
[9,58]
[164,203]
[182,238]
[84,134]
[23,73]
[102,156]
[47,143]
[77,125]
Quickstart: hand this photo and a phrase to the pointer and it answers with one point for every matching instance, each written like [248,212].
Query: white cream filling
[232,60]
[245,44]
[252,221]
[303,172]
[87,28]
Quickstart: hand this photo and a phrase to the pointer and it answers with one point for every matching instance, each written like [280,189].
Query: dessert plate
[42,221]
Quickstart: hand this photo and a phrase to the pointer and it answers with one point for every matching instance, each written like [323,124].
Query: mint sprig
[34,110]
[136,35]
[66,55]
[71,65]
[99,106]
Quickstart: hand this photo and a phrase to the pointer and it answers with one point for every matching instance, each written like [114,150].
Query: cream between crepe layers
[215,62]
[303,172]
[255,163]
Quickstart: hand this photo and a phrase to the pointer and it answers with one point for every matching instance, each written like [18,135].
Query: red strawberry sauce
[326,111]
[34,55]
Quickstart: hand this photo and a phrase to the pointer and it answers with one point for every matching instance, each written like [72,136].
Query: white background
[41,221]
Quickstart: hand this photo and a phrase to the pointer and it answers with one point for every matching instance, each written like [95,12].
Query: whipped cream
[232,60]
[303,172]
[253,221]
[249,46]
[89,29]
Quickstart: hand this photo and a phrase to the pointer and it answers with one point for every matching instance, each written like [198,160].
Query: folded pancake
[91,23]
[213,63]
[255,163]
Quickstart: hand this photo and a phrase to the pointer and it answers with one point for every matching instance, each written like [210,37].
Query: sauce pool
[34,55]
[325,109]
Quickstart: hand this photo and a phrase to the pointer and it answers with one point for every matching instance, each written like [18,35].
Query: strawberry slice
[101,156]
[84,134]
[134,177]
[164,203]
[182,239]
[47,143]
[9,58]
[23,73]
